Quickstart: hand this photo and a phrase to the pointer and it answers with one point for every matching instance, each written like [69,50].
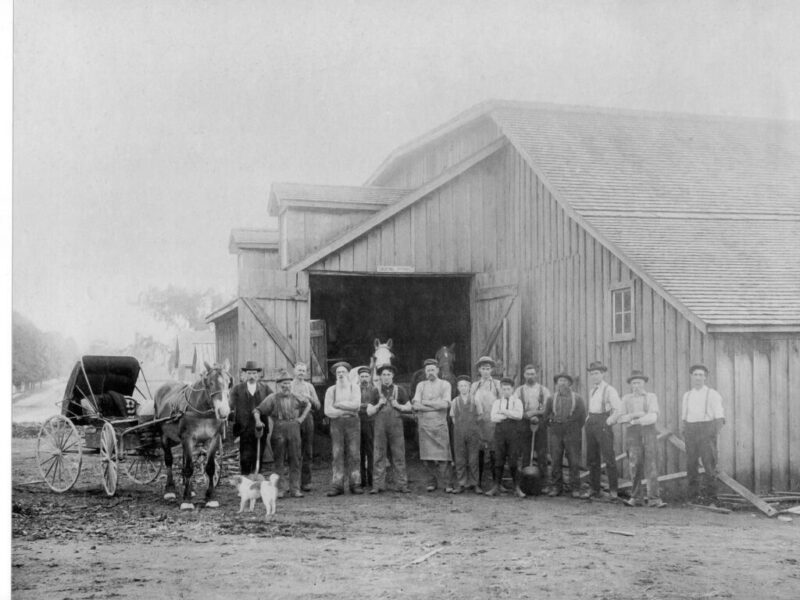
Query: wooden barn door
[496,320]
[274,319]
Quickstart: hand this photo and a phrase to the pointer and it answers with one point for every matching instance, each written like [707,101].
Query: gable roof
[330,197]
[253,239]
[706,208]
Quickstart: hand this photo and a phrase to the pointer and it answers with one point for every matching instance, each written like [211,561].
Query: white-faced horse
[199,412]
[381,355]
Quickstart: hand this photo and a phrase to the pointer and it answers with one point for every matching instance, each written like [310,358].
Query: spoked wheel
[143,465]
[109,458]
[59,453]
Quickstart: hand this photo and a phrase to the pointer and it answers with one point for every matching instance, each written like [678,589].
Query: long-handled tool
[531,478]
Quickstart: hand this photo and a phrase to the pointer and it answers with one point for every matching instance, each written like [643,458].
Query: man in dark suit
[244,398]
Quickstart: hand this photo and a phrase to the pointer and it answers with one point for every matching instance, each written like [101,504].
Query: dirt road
[83,545]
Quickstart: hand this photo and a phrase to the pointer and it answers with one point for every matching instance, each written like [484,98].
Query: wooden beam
[405,202]
[497,291]
[497,328]
[280,340]
[281,293]
[724,477]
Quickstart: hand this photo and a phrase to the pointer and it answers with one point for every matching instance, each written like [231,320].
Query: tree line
[38,355]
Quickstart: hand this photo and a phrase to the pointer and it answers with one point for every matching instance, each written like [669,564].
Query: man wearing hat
[533,428]
[701,421]
[565,413]
[432,402]
[342,403]
[303,388]
[466,414]
[386,404]
[640,413]
[485,391]
[604,407]
[244,398]
[367,429]
[288,412]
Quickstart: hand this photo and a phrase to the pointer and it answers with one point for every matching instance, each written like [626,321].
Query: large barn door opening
[275,320]
[496,321]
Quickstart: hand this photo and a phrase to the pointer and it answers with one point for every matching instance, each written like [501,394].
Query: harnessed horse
[198,414]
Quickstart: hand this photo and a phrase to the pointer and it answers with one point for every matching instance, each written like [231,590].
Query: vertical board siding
[794,413]
[778,410]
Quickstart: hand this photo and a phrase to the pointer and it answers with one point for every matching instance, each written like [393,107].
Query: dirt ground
[83,545]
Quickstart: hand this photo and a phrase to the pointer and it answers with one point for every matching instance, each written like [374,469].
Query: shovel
[531,477]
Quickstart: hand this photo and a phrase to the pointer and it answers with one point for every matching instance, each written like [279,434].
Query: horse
[446,357]
[381,355]
[198,415]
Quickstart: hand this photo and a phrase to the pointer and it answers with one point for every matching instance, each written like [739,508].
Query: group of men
[466,442]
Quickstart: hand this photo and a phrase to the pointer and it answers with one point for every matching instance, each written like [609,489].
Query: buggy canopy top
[96,376]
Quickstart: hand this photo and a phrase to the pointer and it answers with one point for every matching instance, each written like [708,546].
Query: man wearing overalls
[604,408]
[701,421]
[565,413]
[485,391]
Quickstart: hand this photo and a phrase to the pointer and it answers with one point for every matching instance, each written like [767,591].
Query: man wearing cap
[506,414]
[485,391]
[367,429]
[533,429]
[640,413]
[701,421]
[565,413]
[432,402]
[342,403]
[466,414]
[604,408]
[386,404]
[244,398]
[304,389]
[288,412]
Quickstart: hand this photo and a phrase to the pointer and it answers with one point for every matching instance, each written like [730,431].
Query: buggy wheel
[143,465]
[59,453]
[109,458]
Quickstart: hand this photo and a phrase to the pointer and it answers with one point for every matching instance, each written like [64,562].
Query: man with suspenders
[604,408]
[533,429]
[701,421]
[342,403]
[565,413]
[485,391]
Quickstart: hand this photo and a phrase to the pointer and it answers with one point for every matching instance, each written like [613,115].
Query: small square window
[622,322]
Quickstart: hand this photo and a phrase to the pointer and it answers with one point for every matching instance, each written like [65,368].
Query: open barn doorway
[419,314]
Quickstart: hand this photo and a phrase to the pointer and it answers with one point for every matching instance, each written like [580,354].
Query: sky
[143,132]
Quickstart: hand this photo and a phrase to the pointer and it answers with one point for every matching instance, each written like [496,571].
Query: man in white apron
[431,403]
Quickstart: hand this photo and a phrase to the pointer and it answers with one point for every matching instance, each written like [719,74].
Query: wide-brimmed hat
[363,369]
[694,368]
[565,376]
[251,365]
[430,361]
[486,360]
[635,374]
[341,363]
[597,366]
[282,375]
[382,368]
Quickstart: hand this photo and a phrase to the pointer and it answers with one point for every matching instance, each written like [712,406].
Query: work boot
[354,489]
[553,492]
[519,493]
[494,491]
[306,487]
[478,490]
[375,490]
[334,492]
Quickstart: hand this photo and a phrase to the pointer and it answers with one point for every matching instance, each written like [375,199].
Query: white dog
[251,490]
[269,494]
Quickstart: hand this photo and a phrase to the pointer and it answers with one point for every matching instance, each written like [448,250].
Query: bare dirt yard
[83,545]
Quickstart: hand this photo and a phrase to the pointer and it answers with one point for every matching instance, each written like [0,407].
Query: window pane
[618,324]
[626,300]
[615,303]
[626,328]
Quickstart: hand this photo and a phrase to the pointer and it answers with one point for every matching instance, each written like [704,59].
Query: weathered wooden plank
[497,291]
[723,380]
[676,342]
[747,494]
[283,293]
[274,332]
[779,413]
[762,398]
[599,303]
[794,414]
[743,407]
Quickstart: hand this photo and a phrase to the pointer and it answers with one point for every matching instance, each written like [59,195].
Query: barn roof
[253,239]
[707,208]
[330,197]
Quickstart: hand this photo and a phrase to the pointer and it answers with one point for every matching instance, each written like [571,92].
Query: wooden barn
[555,235]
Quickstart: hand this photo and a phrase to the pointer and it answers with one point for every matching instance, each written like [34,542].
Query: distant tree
[179,307]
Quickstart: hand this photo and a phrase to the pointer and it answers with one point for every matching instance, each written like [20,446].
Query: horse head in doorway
[446,357]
